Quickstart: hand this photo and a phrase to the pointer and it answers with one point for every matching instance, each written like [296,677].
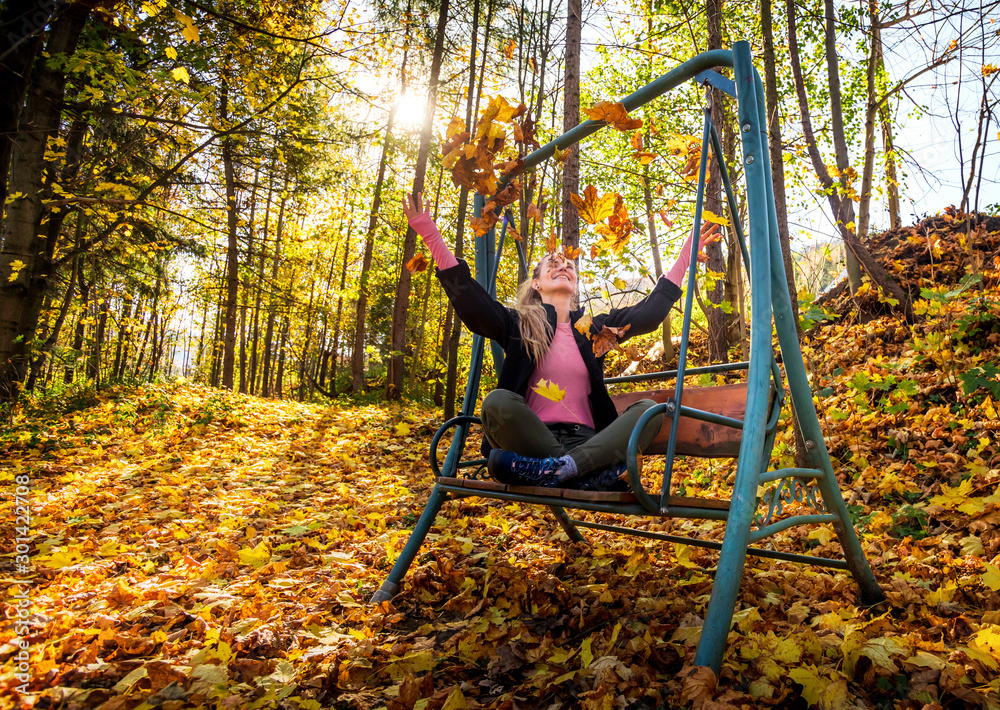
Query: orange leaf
[534,213]
[552,243]
[508,50]
[571,253]
[644,158]
[417,264]
[607,339]
[583,325]
[636,140]
[618,230]
[615,114]
[593,209]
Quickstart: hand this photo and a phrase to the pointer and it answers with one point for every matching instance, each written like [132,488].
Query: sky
[926,132]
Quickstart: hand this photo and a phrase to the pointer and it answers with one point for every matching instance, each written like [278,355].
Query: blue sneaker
[516,470]
[613,479]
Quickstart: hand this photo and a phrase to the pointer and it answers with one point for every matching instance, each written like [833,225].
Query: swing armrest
[461,420]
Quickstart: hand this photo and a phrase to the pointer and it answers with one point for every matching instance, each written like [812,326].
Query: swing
[735,421]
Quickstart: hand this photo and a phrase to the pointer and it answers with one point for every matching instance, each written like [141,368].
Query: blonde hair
[536,333]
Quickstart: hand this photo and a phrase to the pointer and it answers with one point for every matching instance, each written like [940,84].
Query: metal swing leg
[390,587]
[567,524]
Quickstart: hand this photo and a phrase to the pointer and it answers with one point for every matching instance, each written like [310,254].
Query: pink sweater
[563,365]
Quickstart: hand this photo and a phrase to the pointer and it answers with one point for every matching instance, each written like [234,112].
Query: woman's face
[556,275]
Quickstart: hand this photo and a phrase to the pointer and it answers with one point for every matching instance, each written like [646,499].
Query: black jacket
[483,315]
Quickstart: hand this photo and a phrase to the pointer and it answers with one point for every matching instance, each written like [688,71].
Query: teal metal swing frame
[771,311]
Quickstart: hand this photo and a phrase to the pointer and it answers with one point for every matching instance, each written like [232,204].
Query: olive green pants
[510,424]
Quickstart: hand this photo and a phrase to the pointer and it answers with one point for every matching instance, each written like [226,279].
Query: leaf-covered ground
[192,548]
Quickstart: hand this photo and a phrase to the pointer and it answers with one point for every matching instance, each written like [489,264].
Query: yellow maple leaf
[180,74]
[583,325]
[255,557]
[709,216]
[953,497]
[819,690]
[592,208]
[549,390]
[189,30]
[402,429]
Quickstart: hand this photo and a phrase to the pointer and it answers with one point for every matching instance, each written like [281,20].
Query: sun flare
[410,110]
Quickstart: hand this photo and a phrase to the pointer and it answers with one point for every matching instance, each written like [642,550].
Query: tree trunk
[246,283]
[81,329]
[401,307]
[53,336]
[21,299]
[265,390]
[22,27]
[891,176]
[340,306]
[875,271]
[118,368]
[845,217]
[258,297]
[571,117]
[279,378]
[718,344]
[777,156]
[94,361]
[308,339]
[232,249]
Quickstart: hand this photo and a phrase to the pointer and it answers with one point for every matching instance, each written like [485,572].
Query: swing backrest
[694,437]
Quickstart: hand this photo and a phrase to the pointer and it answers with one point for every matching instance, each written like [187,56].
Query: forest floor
[195,548]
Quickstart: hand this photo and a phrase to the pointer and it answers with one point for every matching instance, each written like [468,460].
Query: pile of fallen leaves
[195,548]
[940,250]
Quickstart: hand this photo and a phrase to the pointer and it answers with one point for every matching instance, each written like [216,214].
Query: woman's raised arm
[418,214]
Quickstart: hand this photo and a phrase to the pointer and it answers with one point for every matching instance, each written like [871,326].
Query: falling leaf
[180,74]
[508,50]
[613,113]
[533,213]
[571,253]
[637,141]
[455,126]
[592,208]
[618,229]
[552,243]
[170,52]
[583,324]
[417,264]
[607,339]
[644,158]
[709,216]
[549,390]
[561,155]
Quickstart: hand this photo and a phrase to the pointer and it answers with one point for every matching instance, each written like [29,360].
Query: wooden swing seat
[694,438]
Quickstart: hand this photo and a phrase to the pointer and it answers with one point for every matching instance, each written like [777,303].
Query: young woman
[579,441]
